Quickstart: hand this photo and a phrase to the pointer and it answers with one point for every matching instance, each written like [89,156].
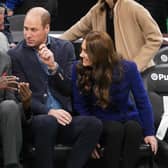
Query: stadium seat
[16,22]
[61,153]
[161,56]
[156,82]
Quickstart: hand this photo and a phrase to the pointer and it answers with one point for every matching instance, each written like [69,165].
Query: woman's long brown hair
[99,76]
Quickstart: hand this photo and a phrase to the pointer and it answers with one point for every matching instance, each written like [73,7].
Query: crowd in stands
[98,101]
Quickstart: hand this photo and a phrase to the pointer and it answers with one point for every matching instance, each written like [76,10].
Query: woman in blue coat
[102,83]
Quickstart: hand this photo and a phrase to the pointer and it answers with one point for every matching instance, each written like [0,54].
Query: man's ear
[47,28]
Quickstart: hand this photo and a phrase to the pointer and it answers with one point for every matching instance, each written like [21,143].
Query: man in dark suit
[45,62]
[10,113]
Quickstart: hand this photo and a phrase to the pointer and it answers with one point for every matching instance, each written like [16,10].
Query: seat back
[156,83]
[161,56]
[16,22]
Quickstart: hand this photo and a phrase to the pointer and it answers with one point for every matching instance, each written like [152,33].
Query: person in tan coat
[136,34]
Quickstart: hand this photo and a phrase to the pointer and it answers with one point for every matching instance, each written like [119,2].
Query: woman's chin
[85,64]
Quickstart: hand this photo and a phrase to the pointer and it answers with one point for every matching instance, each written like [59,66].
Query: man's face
[34,32]
[1,22]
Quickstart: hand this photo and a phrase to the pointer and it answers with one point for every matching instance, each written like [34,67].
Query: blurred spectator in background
[158,10]
[11,5]
[3,39]
[6,39]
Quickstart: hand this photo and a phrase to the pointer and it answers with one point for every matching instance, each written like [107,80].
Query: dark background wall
[158,10]
[70,11]
[64,13]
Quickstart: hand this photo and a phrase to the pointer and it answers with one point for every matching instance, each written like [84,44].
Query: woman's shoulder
[128,65]
[75,65]
[74,70]
[76,62]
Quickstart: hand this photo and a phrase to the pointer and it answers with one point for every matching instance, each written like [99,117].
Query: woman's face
[110,3]
[84,56]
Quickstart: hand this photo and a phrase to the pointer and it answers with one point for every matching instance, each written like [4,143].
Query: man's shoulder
[59,41]
[60,44]
[16,50]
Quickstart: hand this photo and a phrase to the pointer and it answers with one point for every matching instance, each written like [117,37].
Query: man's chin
[30,44]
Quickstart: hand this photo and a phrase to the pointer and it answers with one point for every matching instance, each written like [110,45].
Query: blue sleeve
[142,101]
[61,80]
[79,101]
